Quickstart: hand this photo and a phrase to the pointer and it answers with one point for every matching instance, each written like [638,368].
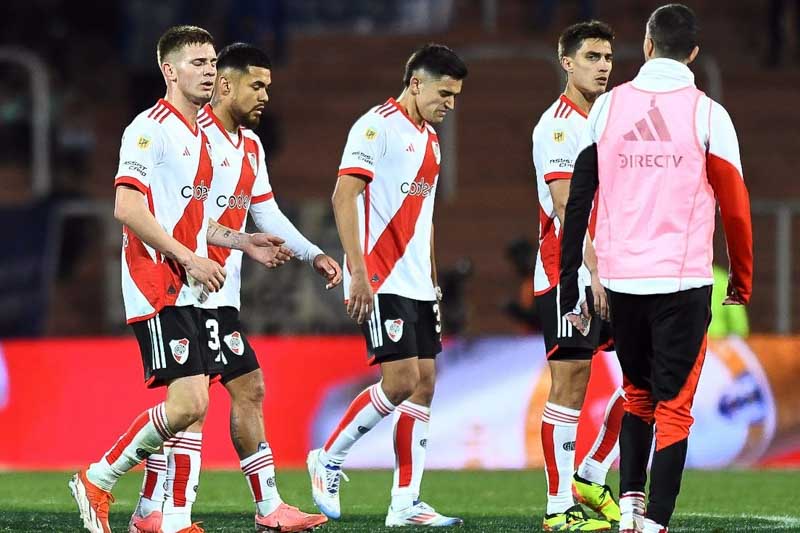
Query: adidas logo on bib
[394,329]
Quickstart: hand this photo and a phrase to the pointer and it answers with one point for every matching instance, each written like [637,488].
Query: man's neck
[407,102]
[225,117]
[584,101]
[183,105]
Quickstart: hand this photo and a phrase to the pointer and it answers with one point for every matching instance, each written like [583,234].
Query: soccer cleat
[419,514]
[93,503]
[146,524]
[325,484]
[596,497]
[654,527]
[574,519]
[288,519]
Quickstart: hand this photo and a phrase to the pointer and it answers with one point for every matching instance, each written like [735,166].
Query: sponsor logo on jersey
[198,192]
[416,188]
[143,142]
[561,162]
[370,134]
[251,157]
[186,151]
[649,160]
[135,166]
[394,329]
[180,350]
[436,152]
[559,136]
[238,201]
[235,342]
[364,158]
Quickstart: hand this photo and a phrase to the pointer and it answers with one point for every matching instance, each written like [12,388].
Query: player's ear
[566,64]
[413,85]
[169,72]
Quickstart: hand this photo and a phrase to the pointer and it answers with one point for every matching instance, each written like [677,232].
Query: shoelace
[576,516]
[332,477]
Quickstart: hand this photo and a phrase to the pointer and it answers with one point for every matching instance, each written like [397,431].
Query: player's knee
[401,388]
[252,395]
[192,408]
[425,389]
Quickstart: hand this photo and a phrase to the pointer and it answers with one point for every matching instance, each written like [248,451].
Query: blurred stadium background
[75,73]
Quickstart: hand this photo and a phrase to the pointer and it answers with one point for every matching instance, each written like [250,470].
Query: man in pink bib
[660,154]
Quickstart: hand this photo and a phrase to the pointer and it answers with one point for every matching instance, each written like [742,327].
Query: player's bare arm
[559,191]
[130,208]
[359,306]
[263,248]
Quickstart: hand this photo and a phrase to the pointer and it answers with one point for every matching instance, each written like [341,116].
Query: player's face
[250,96]
[194,69]
[590,68]
[436,96]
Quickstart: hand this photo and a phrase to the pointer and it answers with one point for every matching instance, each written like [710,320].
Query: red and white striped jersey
[168,161]
[240,179]
[555,148]
[400,162]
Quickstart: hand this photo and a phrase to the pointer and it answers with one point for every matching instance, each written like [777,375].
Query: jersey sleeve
[366,144]
[141,151]
[262,189]
[554,145]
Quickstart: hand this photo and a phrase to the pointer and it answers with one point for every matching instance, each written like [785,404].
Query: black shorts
[225,331]
[400,328]
[561,340]
[175,344]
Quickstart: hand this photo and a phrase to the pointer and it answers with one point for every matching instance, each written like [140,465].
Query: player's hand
[329,269]
[206,272]
[734,299]
[267,250]
[582,321]
[359,306]
[600,297]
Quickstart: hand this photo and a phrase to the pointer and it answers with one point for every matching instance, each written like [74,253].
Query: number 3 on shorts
[438,314]
[212,326]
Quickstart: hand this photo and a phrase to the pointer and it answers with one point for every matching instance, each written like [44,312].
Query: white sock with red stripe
[151,497]
[259,471]
[605,450]
[411,423]
[368,408]
[183,477]
[145,436]
[559,430]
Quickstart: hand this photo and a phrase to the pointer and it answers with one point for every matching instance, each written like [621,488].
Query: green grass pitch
[490,501]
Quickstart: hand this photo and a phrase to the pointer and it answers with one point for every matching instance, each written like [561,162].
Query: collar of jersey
[403,111]
[662,75]
[210,111]
[564,98]
[178,114]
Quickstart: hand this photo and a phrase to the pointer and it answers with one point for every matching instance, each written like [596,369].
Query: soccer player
[660,154]
[584,50]
[384,199]
[164,238]
[240,185]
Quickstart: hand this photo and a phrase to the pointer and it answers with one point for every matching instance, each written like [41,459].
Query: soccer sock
[364,413]
[635,441]
[144,437]
[151,497]
[259,471]
[605,450]
[559,430]
[411,423]
[183,477]
[631,509]
[665,481]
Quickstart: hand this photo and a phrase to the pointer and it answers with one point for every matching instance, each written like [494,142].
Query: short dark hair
[177,37]
[436,59]
[674,30]
[571,38]
[239,56]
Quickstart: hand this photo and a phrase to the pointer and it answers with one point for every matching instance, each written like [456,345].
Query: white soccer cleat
[420,514]
[325,484]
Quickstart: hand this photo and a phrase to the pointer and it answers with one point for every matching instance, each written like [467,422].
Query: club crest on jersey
[180,350]
[436,153]
[394,329]
[234,342]
[559,136]
[252,158]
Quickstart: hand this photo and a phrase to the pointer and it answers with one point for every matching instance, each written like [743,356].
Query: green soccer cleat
[573,519]
[596,497]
